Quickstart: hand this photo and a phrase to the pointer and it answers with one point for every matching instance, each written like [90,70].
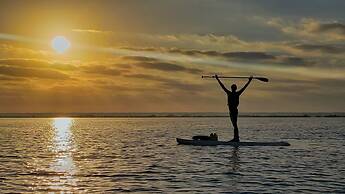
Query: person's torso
[233,99]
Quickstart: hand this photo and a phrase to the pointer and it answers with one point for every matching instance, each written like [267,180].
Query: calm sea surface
[141,155]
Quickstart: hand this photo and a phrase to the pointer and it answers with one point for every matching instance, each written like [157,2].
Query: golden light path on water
[63,163]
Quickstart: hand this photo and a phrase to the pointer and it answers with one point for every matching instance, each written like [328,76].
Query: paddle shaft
[236,77]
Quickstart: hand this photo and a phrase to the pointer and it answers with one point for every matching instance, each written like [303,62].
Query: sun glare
[60,44]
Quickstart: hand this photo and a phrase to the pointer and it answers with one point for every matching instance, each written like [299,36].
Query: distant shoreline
[168,115]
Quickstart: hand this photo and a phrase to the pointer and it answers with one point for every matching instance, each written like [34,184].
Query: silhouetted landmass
[166,114]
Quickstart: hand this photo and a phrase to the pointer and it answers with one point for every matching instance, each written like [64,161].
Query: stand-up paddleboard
[215,143]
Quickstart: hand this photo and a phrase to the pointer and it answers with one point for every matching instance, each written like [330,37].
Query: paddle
[263,79]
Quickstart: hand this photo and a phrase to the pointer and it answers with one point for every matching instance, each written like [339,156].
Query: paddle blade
[263,79]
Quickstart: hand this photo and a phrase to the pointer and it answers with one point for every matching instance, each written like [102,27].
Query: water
[141,155]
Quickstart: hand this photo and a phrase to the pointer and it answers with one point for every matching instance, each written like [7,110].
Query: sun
[60,44]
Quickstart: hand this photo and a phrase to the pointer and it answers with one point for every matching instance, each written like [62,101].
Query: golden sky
[148,56]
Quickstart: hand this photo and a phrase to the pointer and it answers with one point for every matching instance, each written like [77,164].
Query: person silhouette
[233,102]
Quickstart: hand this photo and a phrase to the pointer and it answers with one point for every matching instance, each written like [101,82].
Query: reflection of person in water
[233,102]
[235,159]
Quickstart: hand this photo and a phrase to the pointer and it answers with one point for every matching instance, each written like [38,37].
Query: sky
[148,56]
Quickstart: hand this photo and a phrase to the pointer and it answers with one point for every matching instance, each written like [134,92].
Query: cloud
[169,84]
[249,56]
[184,86]
[310,28]
[332,27]
[202,39]
[161,65]
[37,63]
[145,83]
[326,48]
[9,78]
[101,69]
[167,67]
[34,68]
[13,51]
[263,57]
[288,60]
[277,54]
[129,64]
[193,52]
[139,58]
[147,77]
[29,72]
[92,31]
[195,41]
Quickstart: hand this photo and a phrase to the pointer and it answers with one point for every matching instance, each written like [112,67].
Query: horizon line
[166,114]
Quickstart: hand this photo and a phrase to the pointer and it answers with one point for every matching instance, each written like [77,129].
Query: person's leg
[233,117]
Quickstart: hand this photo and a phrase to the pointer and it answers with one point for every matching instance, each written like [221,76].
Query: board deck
[215,143]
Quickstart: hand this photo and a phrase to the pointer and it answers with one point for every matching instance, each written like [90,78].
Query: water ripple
[141,156]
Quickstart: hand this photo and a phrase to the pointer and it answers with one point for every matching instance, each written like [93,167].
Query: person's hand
[250,78]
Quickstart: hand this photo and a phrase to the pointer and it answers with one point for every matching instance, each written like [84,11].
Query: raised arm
[221,84]
[245,86]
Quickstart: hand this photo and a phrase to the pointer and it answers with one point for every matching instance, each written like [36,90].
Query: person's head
[233,87]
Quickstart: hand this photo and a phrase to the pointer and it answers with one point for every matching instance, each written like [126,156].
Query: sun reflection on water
[62,133]
[63,146]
